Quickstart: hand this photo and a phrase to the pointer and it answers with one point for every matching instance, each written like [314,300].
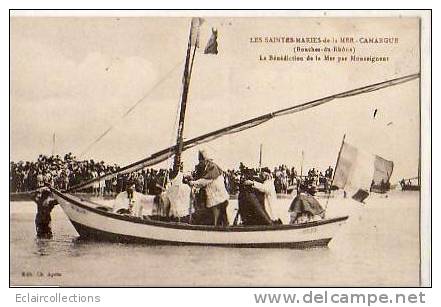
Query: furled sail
[163,155]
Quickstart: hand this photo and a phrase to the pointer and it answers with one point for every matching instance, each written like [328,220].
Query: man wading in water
[45,204]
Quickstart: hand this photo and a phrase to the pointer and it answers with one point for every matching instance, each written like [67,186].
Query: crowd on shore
[67,171]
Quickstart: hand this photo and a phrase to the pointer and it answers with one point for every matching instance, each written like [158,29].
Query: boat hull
[94,224]
[410,188]
[93,234]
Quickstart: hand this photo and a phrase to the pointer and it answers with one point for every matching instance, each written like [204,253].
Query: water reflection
[61,244]
[43,246]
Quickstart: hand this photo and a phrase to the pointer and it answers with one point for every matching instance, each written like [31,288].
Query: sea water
[378,246]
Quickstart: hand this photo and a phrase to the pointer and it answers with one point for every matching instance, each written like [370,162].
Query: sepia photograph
[218,150]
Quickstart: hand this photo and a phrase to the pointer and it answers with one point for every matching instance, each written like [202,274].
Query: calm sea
[378,246]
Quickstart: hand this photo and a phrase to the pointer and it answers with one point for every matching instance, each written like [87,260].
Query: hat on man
[204,154]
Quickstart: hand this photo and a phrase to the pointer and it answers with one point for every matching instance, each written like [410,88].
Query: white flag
[356,169]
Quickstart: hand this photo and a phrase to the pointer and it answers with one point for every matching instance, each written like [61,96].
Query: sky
[76,76]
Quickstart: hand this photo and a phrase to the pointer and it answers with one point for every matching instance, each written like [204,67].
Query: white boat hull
[95,224]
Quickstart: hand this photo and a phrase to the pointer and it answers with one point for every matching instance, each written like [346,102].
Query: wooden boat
[95,224]
[410,184]
[410,187]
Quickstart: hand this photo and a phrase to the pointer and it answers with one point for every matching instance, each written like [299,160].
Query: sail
[163,155]
[382,170]
[355,168]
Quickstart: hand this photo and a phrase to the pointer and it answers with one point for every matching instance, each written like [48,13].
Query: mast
[335,168]
[336,165]
[193,41]
[338,159]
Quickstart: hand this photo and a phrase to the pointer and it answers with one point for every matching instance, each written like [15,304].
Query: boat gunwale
[185,226]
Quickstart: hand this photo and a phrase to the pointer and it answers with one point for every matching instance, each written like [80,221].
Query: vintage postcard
[271,148]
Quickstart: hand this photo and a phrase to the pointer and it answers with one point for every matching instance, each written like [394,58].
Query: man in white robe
[178,194]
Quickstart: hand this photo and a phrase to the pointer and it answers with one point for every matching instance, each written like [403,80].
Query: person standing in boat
[175,200]
[210,177]
[102,183]
[96,185]
[267,188]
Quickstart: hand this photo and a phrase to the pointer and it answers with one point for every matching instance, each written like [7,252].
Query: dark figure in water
[45,204]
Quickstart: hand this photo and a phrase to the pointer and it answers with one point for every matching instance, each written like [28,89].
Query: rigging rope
[129,110]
